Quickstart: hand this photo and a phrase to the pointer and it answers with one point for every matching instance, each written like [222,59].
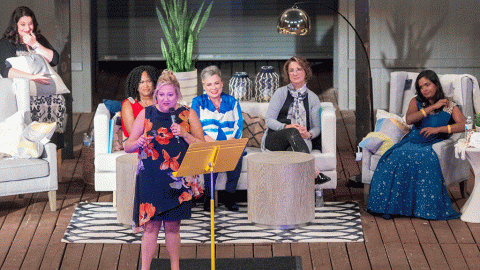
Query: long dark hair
[134,78]
[11,34]
[433,77]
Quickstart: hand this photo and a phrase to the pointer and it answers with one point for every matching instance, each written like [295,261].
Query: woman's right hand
[141,141]
[41,78]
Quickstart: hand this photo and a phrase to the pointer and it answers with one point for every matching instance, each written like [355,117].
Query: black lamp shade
[293,21]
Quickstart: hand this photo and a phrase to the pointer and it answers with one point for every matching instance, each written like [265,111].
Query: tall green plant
[181,31]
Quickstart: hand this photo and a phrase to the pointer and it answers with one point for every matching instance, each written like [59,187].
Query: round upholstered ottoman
[281,189]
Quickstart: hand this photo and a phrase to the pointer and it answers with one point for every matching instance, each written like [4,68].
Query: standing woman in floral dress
[161,198]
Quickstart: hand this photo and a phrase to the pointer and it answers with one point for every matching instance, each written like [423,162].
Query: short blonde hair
[167,77]
[210,71]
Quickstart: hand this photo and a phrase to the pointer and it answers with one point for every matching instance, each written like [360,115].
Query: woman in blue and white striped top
[221,118]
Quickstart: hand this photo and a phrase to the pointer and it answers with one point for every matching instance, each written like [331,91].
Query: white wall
[81,55]
[441,35]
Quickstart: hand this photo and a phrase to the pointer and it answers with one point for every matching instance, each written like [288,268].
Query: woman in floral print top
[161,198]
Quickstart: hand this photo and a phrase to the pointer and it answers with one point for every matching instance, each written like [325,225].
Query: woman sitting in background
[408,180]
[139,88]
[23,37]
[293,115]
[221,118]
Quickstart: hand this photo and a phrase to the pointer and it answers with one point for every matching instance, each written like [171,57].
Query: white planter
[188,85]
[477,129]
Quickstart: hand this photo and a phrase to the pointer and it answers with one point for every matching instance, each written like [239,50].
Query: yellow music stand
[211,157]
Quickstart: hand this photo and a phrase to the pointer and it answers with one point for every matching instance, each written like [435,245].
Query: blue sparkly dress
[408,180]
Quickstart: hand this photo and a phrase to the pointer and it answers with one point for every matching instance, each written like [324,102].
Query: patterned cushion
[33,139]
[388,131]
[49,109]
[253,129]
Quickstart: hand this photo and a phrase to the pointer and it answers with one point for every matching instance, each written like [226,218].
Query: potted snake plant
[181,29]
[476,121]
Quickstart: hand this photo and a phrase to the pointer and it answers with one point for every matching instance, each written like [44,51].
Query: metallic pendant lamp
[293,21]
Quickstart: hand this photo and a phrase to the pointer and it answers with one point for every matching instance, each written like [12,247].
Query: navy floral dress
[408,180]
[158,194]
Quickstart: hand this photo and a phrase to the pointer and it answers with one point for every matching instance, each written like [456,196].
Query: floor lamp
[295,21]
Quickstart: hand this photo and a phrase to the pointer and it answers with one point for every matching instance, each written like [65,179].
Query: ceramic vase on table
[266,82]
[240,86]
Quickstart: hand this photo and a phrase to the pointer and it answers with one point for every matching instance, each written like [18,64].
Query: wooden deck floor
[30,233]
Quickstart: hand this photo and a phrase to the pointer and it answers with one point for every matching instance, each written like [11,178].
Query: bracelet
[449,129]
[423,112]
[35,46]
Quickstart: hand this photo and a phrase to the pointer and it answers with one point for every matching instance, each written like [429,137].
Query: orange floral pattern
[170,162]
[151,152]
[185,196]
[147,210]
[163,136]
[185,115]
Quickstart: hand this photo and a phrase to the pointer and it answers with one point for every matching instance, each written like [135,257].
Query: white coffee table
[471,209]
[126,175]
[281,189]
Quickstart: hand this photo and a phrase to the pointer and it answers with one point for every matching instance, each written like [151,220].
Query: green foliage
[476,120]
[181,31]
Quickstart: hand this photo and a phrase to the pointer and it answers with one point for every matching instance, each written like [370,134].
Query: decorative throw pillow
[117,133]
[35,64]
[253,129]
[10,133]
[388,131]
[113,106]
[34,138]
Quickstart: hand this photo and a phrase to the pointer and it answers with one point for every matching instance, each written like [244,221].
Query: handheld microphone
[172,115]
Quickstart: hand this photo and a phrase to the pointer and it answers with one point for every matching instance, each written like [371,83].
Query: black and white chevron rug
[334,222]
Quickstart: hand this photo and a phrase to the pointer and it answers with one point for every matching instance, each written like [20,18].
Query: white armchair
[105,163]
[21,176]
[402,90]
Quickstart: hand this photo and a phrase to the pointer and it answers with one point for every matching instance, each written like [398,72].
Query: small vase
[266,82]
[240,86]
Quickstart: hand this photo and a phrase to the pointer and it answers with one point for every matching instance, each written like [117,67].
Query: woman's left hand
[429,131]
[303,131]
[177,130]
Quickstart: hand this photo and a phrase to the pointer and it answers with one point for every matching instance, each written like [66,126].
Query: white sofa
[402,90]
[21,176]
[326,160]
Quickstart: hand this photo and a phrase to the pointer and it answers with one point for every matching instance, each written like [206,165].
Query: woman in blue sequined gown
[160,198]
[408,180]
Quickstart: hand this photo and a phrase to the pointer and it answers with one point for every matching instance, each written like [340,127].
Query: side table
[470,211]
[281,189]
[88,165]
[126,173]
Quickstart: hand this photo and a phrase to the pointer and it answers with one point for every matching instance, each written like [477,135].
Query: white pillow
[384,114]
[10,132]
[35,64]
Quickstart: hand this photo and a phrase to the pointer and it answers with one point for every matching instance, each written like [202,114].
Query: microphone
[172,115]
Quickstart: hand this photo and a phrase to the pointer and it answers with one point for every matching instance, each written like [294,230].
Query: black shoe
[232,207]
[321,179]
[229,201]
[206,205]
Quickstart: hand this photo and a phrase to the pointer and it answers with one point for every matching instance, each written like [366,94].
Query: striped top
[221,125]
